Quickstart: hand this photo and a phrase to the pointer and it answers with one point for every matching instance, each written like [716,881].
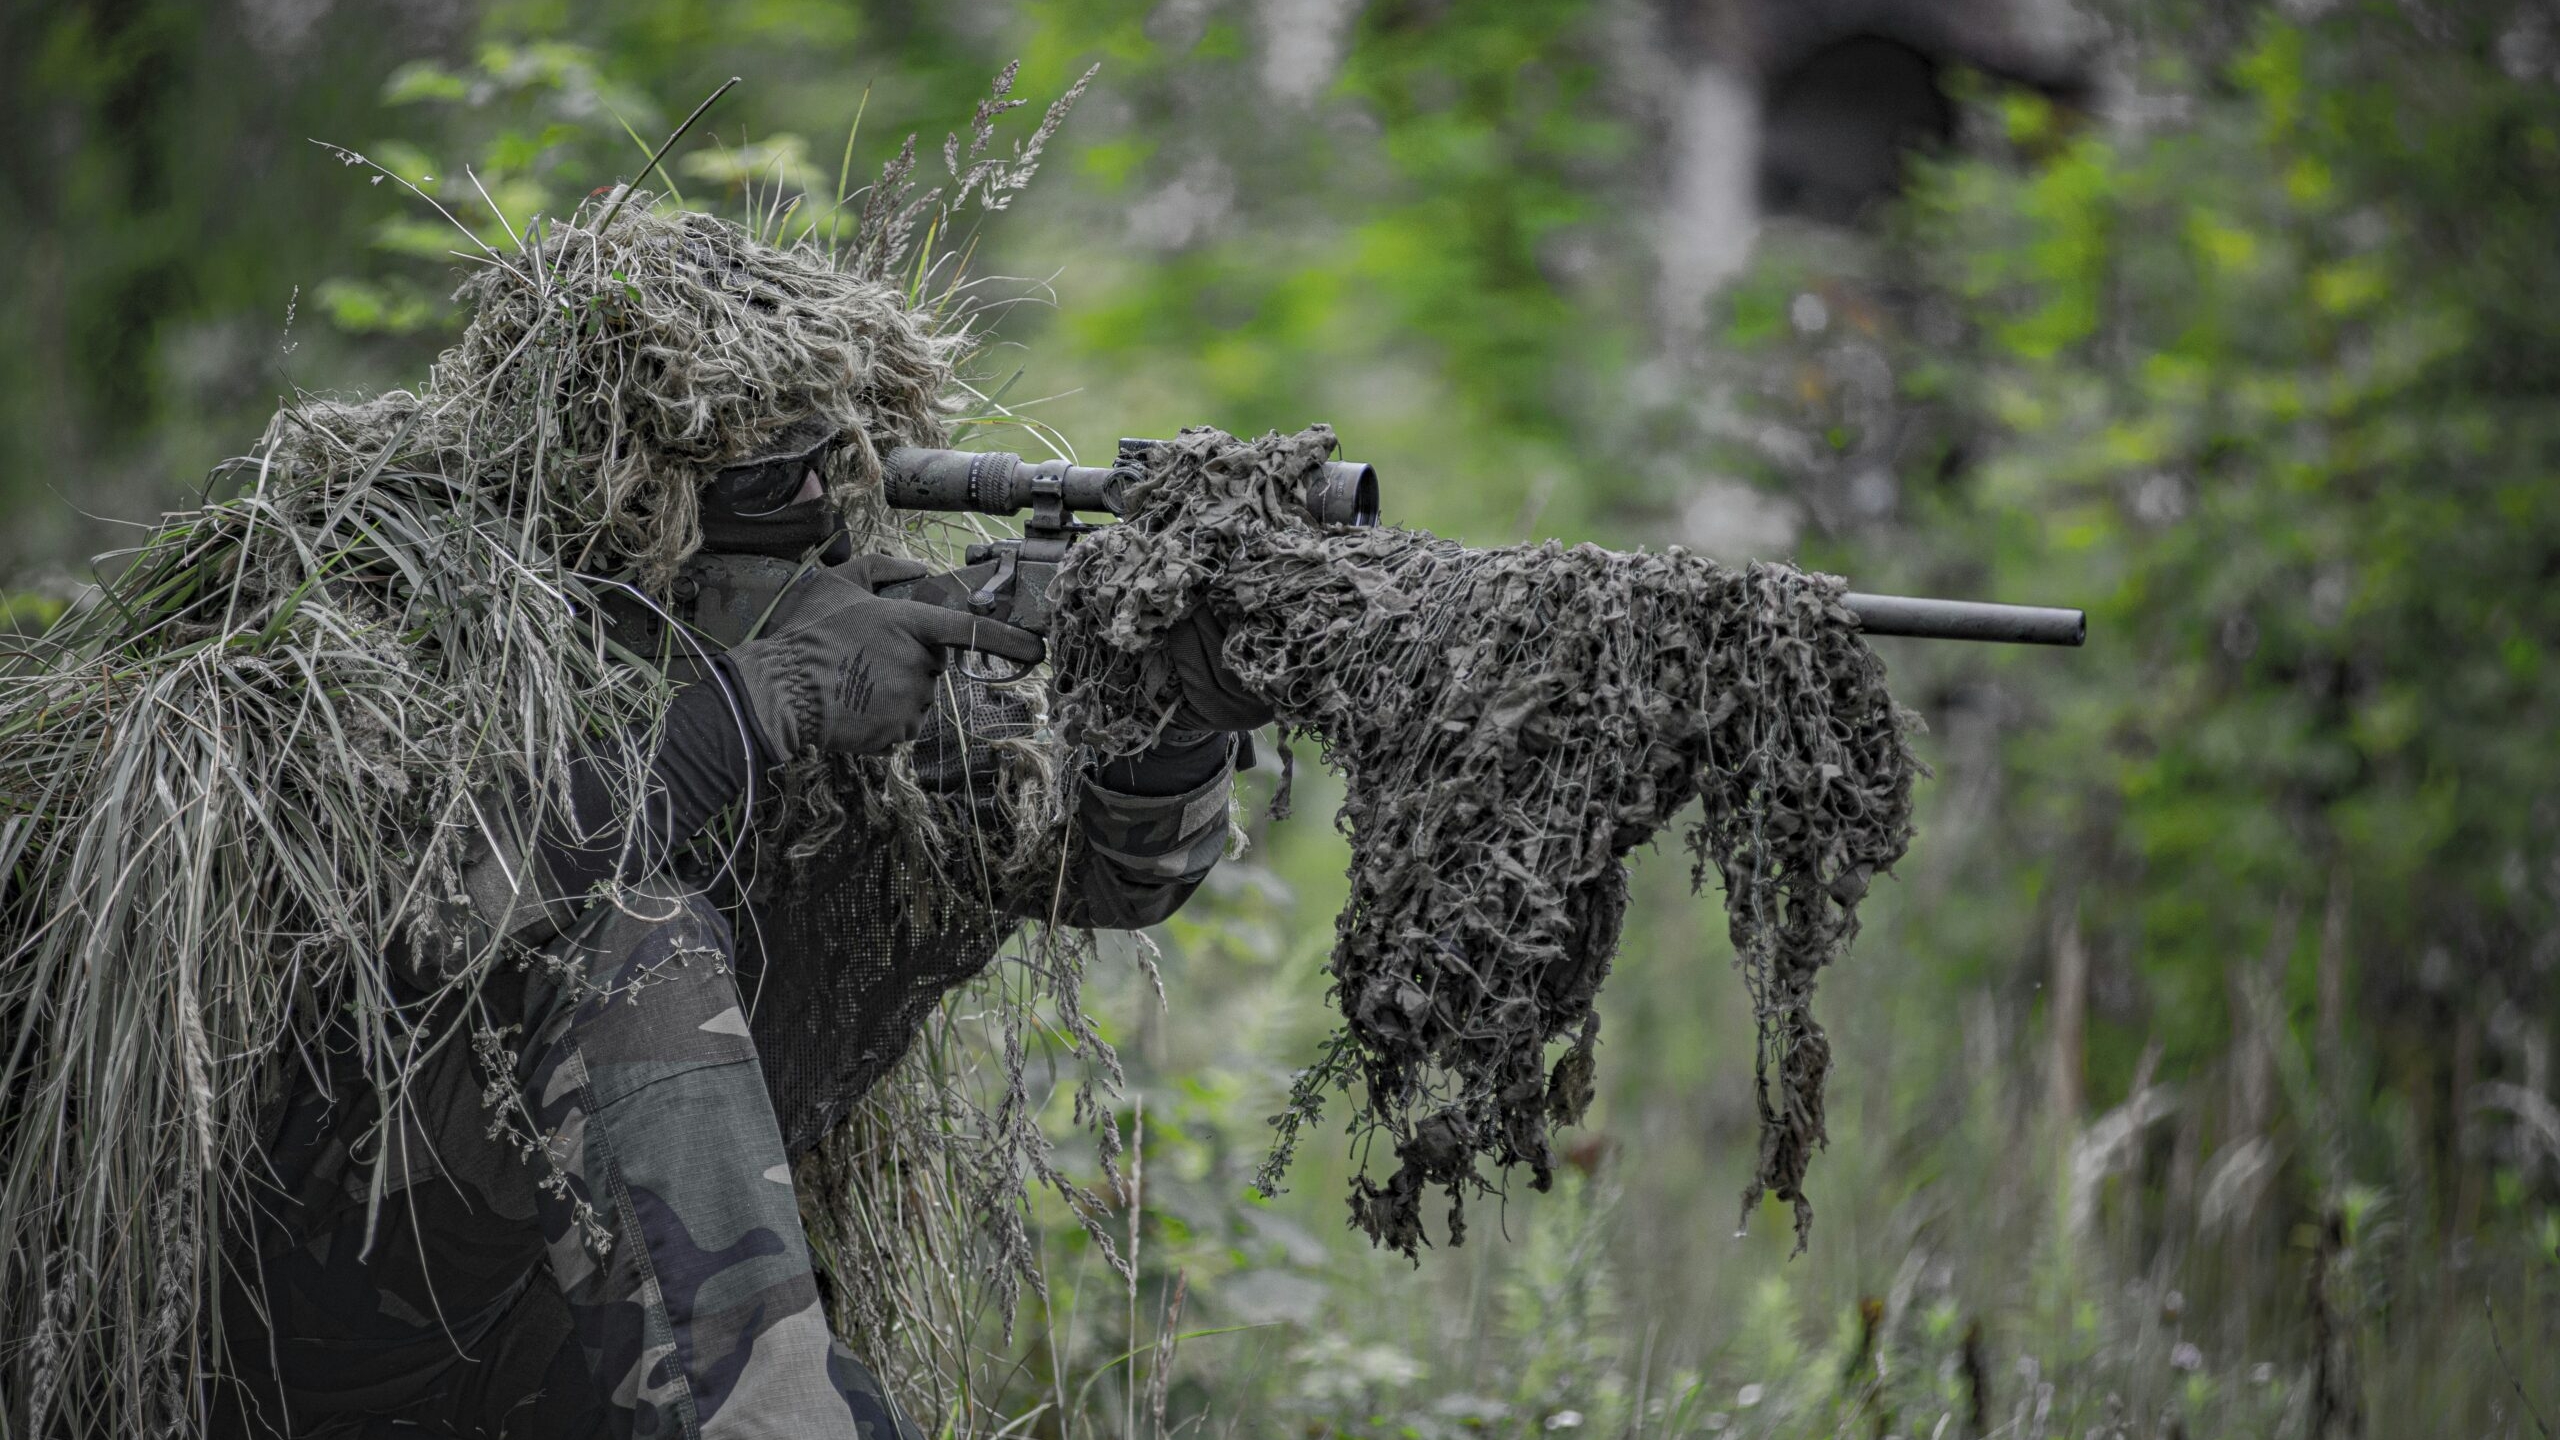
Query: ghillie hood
[604,374]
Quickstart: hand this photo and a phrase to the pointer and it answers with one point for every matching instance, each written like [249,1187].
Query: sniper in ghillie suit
[475,884]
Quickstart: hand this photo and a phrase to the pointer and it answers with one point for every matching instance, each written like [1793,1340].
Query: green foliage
[524,126]
[150,319]
[2272,398]
[2266,390]
[2263,381]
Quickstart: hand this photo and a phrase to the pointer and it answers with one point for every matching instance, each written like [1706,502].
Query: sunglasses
[766,484]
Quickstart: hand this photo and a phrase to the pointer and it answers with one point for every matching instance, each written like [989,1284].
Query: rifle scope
[991,482]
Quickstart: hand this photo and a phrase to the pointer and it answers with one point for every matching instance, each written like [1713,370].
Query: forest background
[2195,1075]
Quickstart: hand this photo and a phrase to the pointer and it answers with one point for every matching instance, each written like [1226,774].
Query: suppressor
[1967,620]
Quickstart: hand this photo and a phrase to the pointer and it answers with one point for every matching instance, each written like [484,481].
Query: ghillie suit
[244,791]
[241,787]
[1510,723]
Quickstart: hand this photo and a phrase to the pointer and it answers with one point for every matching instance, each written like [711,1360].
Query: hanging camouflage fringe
[1509,724]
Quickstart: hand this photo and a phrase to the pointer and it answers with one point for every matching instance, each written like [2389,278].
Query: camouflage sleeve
[1141,856]
[1147,830]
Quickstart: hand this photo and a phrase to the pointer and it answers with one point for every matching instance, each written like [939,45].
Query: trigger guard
[994,676]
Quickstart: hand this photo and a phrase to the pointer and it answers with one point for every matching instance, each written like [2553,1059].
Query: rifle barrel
[1967,620]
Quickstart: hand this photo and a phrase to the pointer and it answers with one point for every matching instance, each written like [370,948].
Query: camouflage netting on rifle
[1510,723]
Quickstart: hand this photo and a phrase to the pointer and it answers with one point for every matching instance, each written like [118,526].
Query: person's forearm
[1149,829]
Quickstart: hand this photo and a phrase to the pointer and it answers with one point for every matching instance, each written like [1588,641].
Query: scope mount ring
[1049,513]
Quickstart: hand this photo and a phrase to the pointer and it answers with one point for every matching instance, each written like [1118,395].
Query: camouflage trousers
[641,1271]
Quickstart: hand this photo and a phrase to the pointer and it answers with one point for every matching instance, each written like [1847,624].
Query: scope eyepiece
[1344,492]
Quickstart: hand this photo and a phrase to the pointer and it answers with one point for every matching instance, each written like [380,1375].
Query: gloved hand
[841,669]
[1213,697]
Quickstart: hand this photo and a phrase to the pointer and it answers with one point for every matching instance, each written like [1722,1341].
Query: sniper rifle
[1008,579]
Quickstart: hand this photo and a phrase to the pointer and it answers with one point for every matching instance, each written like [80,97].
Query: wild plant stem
[610,211]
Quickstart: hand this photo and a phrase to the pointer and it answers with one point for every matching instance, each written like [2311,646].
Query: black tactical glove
[1213,697]
[841,669]
[1200,737]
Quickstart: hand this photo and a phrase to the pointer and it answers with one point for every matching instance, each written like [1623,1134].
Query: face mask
[785,534]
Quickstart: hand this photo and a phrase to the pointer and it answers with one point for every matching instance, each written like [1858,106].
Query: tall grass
[1985,1266]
